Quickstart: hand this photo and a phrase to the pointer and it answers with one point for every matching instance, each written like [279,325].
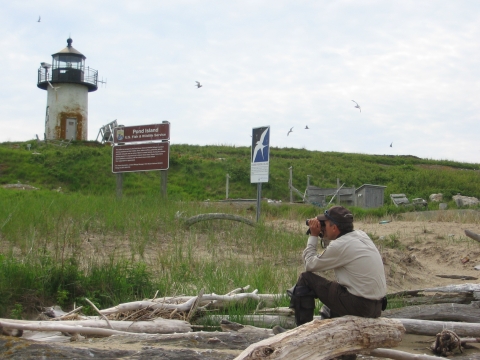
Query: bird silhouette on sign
[357,106]
[391,144]
[306,127]
[198,85]
[291,130]
[53,87]
[39,19]
[259,146]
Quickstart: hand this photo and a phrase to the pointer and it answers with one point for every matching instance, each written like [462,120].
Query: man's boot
[302,300]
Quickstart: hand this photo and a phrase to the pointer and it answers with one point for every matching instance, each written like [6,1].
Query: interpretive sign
[141,133]
[140,157]
[260,159]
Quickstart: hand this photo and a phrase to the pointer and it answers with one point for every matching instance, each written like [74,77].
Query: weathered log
[55,326]
[412,326]
[184,307]
[230,326]
[266,299]
[436,298]
[400,355]
[157,326]
[459,277]
[438,312]
[264,321]
[462,288]
[472,235]
[285,311]
[218,216]
[325,339]
[432,328]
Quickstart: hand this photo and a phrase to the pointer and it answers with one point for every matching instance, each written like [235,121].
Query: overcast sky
[412,66]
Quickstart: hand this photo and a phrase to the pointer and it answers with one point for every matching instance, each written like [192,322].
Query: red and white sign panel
[140,157]
[154,132]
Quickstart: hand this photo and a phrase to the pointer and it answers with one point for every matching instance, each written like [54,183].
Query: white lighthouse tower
[68,83]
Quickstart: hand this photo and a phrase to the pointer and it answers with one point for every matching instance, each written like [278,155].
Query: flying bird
[357,106]
[391,144]
[306,127]
[53,87]
[259,147]
[39,19]
[198,85]
[291,130]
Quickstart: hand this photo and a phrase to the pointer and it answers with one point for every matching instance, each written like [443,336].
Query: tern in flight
[291,130]
[306,127]
[39,19]
[391,144]
[357,106]
[53,87]
[198,85]
[259,147]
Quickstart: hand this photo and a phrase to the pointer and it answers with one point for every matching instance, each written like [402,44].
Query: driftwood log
[326,339]
[184,307]
[438,312]
[412,326]
[156,326]
[461,288]
[472,235]
[55,326]
[401,355]
[432,328]
[217,216]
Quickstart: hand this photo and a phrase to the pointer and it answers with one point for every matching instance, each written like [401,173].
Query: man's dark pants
[335,296]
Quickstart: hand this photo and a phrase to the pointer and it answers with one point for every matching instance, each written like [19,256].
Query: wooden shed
[318,196]
[369,196]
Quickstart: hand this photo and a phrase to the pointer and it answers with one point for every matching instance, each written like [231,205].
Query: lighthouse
[68,83]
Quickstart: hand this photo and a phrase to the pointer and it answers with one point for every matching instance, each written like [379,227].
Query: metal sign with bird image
[260,160]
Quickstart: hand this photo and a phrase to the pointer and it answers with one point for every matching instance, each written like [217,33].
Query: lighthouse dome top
[68,66]
[70,50]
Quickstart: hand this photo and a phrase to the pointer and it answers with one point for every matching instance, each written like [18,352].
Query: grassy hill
[198,172]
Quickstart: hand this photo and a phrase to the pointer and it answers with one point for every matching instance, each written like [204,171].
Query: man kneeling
[360,285]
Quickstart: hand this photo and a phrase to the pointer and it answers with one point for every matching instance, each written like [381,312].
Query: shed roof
[370,185]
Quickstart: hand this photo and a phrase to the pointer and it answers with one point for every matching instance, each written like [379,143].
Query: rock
[465,200]
[436,197]
[443,206]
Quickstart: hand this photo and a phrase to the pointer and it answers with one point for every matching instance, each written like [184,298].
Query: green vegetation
[198,173]
[82,242]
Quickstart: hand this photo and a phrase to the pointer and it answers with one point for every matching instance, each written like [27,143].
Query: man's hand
[315,227]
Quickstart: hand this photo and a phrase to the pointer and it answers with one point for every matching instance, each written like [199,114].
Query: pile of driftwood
[451,314]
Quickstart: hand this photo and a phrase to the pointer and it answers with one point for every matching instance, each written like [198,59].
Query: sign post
[141,148]
[260,160]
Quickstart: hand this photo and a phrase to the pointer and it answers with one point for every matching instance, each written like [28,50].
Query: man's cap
[337,214]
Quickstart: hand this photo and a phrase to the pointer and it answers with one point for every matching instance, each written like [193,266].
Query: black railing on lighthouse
[85,76]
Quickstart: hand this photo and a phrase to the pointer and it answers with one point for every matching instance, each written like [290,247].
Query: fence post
[290,183]
[338,193]
[226,195]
